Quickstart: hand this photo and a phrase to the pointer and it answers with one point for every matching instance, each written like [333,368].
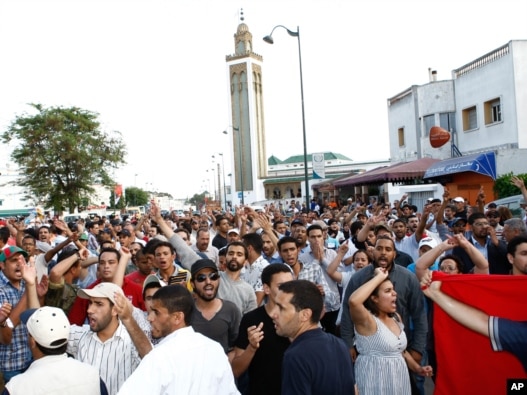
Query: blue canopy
[484,163]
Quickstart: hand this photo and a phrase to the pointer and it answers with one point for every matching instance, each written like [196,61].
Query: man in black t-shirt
[258,349]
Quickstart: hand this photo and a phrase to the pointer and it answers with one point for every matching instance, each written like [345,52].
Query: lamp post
[269,39]
[214,190]
[223,174]
[239,159]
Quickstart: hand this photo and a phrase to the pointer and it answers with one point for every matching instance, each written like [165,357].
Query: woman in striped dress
[381,367]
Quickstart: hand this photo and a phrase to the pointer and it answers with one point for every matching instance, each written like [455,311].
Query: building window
[492,110]
[470,119]
[447,121]
[400,133]
[429,121]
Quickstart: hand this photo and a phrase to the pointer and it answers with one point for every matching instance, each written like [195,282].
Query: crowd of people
[318,298]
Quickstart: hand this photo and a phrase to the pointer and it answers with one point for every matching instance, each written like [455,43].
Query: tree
[503,187]
[62,152]
[198,198]
[136,196]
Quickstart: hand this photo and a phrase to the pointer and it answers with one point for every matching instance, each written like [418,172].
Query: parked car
[512,203]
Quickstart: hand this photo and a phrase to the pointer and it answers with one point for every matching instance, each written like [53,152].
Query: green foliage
[120,204]
[136,196]
[61,153]
[503,187]
[197,199]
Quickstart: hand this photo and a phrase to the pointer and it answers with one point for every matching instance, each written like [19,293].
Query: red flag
[466,363]
[118,191]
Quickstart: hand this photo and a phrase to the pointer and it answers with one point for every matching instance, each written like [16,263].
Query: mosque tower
[247,133]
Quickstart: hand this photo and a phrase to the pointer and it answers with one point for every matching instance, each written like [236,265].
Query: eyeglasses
[211,276]
[448,269]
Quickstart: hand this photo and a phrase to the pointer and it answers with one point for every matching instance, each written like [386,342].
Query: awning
[23,212]
[484,163]
[349,179]
[398,172]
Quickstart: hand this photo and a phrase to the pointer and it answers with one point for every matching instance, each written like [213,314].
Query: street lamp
[239,159]
[224,186]
[269,39]
[213,183]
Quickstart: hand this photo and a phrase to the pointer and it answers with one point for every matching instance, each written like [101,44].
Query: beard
[233,266]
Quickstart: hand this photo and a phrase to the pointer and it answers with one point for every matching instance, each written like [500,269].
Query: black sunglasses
[211,276]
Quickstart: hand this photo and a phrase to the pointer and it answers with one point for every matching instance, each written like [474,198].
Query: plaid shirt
[17,355]
[332,295]
[93,245]
[313,272]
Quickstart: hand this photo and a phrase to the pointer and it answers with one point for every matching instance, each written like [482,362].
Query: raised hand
[518,182]
[123,306]
[42,286]
[255,335]
[5,311]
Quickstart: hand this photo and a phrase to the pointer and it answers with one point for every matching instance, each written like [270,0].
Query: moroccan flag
[466,363]
[118,192]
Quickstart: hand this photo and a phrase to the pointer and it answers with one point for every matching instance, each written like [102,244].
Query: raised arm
[428,258]
[520,184]
[466,315]
[126,255]
[163,226]
[332,268]
[186,255]
[124,310]
[422,224]
[481,265]
[361,317]
[480,200]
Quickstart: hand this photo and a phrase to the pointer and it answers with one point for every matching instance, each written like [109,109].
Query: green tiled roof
[273,160]
[298,178]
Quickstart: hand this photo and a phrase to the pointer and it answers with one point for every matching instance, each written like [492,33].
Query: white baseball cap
[48,325]
[428,241]
[102,290]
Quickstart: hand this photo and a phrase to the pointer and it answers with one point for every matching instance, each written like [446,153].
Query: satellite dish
[438,136]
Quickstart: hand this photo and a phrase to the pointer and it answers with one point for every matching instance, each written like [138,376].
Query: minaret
[247,118]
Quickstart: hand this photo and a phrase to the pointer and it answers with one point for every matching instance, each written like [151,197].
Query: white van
[512,203]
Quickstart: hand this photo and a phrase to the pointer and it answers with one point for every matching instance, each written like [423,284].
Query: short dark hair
[385,237]
[514,243]
[165,244]
[401,220]
[306,295]
[151,245]
[271,270]
[239,244]
[52,351]
[219,219]
[254,240]
[4,234]
[202,230]
[116,252]
[459,263]
[276,223]
[286,239]
[314,227]
[182,230]
[176,298]
[474,217]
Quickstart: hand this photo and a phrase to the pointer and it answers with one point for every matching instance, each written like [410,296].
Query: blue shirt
[17,355]
[317,363]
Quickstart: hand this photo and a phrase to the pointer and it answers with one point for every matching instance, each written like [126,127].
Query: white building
[483,108]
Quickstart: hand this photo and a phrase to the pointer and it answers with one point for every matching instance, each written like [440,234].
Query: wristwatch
[7,323]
